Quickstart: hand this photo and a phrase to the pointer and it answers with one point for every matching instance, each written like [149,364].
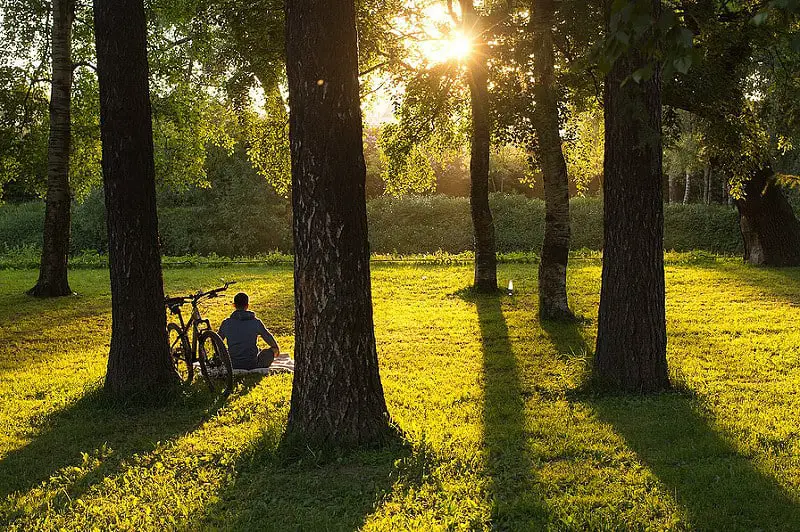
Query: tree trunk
[707,185]
[337,399]
[482,222]
[673,188]
[139,366]
[631,335]
[555,248]
[770,230]
[55,246]
[687,188]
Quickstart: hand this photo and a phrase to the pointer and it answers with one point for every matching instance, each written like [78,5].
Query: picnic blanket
[282,364]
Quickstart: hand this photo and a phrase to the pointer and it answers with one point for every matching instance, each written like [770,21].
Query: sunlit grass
[500,432]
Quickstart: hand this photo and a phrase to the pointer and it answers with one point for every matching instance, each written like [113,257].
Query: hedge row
[415,224]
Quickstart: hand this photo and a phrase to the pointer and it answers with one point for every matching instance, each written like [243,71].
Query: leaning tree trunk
[337,398]
[770,230]
[482,222]
[55,246]
[631,332]
[555,248]
[687,188]
[139,366]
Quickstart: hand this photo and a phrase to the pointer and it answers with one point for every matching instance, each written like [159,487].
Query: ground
[500,430]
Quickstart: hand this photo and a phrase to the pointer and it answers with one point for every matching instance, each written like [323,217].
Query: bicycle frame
[196,325]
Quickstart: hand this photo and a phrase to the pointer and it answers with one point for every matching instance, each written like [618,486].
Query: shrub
[408,225]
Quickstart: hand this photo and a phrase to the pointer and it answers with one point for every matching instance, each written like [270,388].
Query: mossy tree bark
[55,245]
[139,365]
[770,230]
[555,248]
[631,335]
[337,398]
[482,221]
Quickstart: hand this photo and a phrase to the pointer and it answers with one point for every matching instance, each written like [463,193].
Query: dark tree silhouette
[631,331]
[55,246]
[482,222]
[139,366]
[337,399]
[770,230]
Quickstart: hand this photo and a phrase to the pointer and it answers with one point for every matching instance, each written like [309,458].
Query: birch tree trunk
[687,188]
[555,248]
[55,245]
[337,398]
[482,222]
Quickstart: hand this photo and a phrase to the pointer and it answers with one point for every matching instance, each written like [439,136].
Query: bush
[408,225]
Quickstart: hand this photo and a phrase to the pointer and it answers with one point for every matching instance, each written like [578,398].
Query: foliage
[685,149]
[511,440]
[236,218]
[584,146]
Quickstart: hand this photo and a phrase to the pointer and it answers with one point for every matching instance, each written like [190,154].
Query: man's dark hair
[241,300]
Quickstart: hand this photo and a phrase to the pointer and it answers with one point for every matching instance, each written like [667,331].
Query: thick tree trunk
[55,246]
[770,230]
[482,222]
[687,187]
[555,248]
[631,335]
[139,366]
[673,188]
[337,399]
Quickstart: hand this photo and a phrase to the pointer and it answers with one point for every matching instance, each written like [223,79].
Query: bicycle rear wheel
[181,352]
[215,362]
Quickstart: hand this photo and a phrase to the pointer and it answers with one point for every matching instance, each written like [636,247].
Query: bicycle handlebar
[182,300]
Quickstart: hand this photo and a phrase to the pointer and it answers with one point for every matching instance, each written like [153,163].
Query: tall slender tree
[631,332]
[478,79]
[139,365]
[555,248]
[55,246]
[337,398]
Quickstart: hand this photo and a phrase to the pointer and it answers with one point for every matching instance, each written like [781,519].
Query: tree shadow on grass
[567,338]
[271,493]
[80,445]
[512,488]
[719,488]
[775,282]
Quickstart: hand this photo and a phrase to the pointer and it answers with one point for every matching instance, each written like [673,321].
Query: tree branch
[84,64]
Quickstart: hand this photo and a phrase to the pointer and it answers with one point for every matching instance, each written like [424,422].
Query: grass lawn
[500,432]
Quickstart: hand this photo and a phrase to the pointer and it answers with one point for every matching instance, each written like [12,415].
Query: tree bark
[631,335]
[55,245]
[482,222]
[337,399]
[555,248]
[770,230]
[687,187]
[707,185]
[139,366]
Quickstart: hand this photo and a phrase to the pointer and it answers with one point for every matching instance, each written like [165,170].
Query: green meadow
[501,427]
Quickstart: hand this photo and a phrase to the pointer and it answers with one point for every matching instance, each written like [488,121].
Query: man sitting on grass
[241,331]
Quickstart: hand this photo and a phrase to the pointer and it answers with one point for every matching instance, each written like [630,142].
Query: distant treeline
[412,224]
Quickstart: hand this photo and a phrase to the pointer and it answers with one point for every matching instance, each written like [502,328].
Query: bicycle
[206,346]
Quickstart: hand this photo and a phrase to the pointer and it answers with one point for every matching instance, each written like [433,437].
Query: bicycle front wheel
[181,352]
[215,362]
